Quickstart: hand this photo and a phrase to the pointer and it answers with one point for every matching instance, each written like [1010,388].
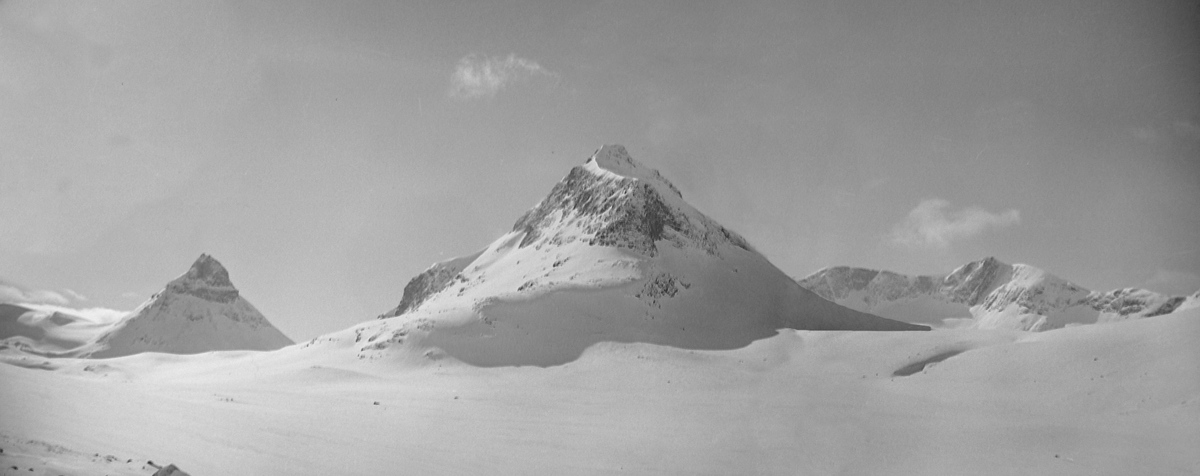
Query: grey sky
[326,152]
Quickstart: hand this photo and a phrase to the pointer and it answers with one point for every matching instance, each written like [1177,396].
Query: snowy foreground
[1120,398]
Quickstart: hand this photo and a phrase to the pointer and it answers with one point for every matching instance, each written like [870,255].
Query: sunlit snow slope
[199,311]
[987,294]
[614,253]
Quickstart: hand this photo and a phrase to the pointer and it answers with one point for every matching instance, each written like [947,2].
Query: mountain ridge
[988,292]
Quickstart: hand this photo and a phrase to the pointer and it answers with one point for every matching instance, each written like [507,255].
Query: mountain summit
[612,200]
[207,280]
[988,294]
[199,311]
[613,253]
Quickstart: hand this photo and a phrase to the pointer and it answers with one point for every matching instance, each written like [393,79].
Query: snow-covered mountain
[199,311]
[613,253]
[987,294]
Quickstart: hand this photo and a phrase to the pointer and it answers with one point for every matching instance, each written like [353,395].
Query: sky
[327,152]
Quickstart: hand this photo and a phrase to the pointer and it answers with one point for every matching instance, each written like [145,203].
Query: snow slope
[1114,399]
[987,294]
[199,311]
[613,253]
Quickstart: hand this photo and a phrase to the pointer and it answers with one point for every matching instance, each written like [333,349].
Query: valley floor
[1105,399]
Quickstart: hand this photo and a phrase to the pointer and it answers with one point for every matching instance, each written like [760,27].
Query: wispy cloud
[98,315]
[10,293]
[934,224]
[74,295]
[476,76]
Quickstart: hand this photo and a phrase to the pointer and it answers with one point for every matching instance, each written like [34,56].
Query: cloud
[477,76]
[10,293]
[74,295]
[933,224]
[97,315]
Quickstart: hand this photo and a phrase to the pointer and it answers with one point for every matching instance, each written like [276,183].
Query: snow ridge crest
[614,159]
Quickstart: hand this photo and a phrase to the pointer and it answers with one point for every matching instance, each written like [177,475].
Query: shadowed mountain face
[988,294]
[613,253]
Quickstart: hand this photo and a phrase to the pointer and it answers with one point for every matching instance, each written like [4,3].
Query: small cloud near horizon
[934,224]
[476,76]
[11,293]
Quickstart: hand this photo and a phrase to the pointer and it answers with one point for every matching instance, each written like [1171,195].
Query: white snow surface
[988,294]
[1114,399]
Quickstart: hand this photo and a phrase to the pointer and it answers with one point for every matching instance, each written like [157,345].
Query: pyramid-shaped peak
[615,160]
[210,271]
[978,266]
[199,311]
[206,279]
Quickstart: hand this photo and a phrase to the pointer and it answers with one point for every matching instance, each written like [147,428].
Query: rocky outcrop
[207,280]
[1134,302]
[971,283]
[430,282]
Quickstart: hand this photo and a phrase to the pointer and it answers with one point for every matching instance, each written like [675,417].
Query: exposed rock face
[970,283]
[428,283]
[993,293]
[199,311]
[609,209]
[207,280]
[1134,302]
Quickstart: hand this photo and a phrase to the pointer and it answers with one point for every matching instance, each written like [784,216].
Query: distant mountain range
[987,294]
